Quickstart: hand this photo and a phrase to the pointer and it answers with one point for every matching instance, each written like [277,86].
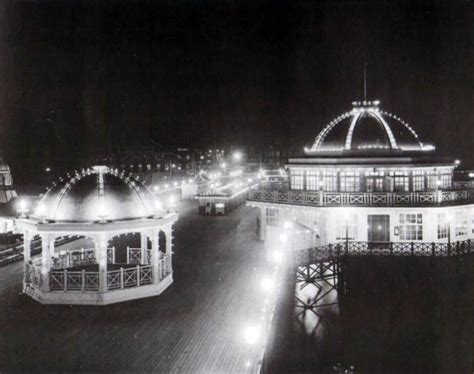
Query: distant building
[367,178]
[7,191]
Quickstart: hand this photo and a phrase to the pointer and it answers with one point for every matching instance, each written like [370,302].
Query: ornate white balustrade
[33,274]
[321,198]
[134,256]
[83,256]
[353,248]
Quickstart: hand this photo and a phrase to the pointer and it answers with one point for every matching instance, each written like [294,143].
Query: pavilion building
[367,178]
[92,214]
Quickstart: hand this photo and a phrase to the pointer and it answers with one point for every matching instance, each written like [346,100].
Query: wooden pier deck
[194,327]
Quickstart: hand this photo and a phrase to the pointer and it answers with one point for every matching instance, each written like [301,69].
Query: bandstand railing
[83,256]
[354,248]
[134,256]
[322,198]
[33,274]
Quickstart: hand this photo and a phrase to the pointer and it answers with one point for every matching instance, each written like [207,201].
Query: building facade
[368,178]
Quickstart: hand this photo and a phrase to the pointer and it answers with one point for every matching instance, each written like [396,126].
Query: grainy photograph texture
[217,186]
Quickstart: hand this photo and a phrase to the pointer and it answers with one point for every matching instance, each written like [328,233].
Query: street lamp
[22,208]
[449,219]
[237,156]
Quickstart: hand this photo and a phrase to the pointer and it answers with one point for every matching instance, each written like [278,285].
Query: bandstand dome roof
[366,129]
[95,194]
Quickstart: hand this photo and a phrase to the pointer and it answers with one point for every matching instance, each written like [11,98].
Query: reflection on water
[382,315]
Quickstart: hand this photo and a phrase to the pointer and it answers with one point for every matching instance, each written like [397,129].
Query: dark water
[391,315]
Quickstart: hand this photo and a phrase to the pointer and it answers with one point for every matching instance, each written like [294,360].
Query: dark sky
[77,76]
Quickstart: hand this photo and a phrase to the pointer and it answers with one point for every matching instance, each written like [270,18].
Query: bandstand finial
[365,79]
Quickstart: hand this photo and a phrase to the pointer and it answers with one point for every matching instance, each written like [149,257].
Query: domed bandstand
[98,209]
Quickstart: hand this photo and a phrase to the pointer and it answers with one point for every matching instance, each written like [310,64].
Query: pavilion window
[431,182]
[374,181]
[273,216]
[411,226]
[418,181]
[350,182]
[401,181]
[311,180]
[330,181]
[297,180]
[472,221]
[460,228]
[443,226]
[446,180]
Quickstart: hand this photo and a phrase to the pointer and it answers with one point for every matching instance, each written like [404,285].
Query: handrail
[356,248]
[324,198]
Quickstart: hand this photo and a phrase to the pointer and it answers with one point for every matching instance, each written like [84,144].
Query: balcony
[368,199]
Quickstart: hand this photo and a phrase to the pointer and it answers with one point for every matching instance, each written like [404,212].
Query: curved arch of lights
[131,182]
[370,108]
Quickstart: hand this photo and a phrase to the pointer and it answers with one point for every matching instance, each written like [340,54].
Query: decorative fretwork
[322,198]
[316,290]
[355,248]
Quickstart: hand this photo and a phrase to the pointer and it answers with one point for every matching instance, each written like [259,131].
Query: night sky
[77,77]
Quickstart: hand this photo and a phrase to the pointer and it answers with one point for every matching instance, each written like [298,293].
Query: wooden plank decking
[194,327]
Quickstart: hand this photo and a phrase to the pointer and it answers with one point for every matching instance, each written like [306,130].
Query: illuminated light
[248,364]
[23,204]
[175,184]
[40,209]
[47,170]
[471,175]
[172,200]
[237,156]
[158,205]
[267,284]
[277,256]
[287,225]
[190,180]
[156,188]
[438,182]
[252,334]
[223,165]
[457,162]
[166,185]
[249,180]
[220,205]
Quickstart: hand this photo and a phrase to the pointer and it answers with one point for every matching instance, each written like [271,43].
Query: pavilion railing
[33,274]
[65,280]
[129,277]
[354,248]
[134,256]
[83,256]
[322,198]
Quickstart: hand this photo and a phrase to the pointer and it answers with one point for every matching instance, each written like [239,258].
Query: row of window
[375,181]
[410,225]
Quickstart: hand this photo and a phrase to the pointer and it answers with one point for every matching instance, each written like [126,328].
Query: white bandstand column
[263,223]
[26,246]
[155,258]
[26,253]
[143,247]
[47,245]
[169,247]
[101,244]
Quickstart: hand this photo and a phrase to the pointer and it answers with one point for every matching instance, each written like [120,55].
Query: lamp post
[449,219]
[346,219]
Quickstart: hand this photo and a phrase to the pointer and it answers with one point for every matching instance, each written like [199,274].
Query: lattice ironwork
[113,280]
[355,248]
[316,290]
